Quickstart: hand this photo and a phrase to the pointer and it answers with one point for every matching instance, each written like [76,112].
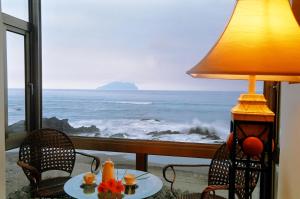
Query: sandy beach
[187,179]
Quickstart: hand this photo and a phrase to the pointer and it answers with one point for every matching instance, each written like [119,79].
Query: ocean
[133,114]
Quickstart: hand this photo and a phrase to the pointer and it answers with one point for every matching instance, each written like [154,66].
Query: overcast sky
[87,43]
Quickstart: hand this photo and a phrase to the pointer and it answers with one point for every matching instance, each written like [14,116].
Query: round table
[148,185]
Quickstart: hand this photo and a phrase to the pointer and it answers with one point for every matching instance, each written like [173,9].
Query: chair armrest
[210,190]
[171,166]
[31,172]
[96,161]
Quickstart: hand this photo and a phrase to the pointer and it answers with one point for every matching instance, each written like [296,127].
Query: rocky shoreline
[65,126]
[206,133]
[55,123]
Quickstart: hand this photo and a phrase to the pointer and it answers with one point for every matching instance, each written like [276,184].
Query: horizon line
[95,89]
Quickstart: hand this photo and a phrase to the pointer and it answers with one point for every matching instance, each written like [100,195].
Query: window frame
[20,27]
[33,83]
[32,31]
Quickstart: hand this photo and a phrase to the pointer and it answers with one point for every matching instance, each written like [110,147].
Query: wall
[2,114]
[289,167]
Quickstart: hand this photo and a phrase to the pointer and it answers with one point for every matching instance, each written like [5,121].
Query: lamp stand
[251,117]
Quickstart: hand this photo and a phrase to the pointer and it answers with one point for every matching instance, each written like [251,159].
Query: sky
[152,43]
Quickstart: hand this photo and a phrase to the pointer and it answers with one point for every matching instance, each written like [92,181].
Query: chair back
[48,149]
[219,171]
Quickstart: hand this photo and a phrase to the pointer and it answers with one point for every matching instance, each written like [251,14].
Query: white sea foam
[139,129]
[221,127]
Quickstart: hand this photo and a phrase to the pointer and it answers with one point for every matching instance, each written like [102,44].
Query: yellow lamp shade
[261,39]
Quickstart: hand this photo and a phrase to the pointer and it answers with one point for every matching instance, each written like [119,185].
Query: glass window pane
[148,44]
[15,82]
[16,8]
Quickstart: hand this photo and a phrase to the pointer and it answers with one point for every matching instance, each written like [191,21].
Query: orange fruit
[253,146]
[129,179]
[89,178]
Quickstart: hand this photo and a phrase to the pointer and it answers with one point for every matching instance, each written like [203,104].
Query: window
[96,53]
[21,47]
[16,89]
[15,83]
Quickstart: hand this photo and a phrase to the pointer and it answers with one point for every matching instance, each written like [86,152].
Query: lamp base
[252,107]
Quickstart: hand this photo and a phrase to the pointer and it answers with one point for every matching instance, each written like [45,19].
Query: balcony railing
[143,148]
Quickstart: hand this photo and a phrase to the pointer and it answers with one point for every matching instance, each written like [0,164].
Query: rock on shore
[63,125]
[17,127]
[55,123]
[206,133]
[159,133]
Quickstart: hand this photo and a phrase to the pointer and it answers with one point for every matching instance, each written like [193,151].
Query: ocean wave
[129,102]
[149,130]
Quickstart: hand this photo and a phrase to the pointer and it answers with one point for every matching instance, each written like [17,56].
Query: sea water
[133,114]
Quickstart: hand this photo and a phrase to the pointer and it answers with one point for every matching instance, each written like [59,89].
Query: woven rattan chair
[45,150]
[218,176]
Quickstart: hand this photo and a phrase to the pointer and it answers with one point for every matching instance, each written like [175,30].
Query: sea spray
[154,129]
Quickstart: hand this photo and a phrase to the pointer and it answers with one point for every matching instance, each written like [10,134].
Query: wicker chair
[218,176]
[44,150]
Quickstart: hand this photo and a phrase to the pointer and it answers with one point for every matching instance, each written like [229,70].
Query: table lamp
[260,42]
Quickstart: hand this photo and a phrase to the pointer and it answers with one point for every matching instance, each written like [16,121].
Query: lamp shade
[262,38]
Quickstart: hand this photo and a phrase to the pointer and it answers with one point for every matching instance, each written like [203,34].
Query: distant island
[113,86]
